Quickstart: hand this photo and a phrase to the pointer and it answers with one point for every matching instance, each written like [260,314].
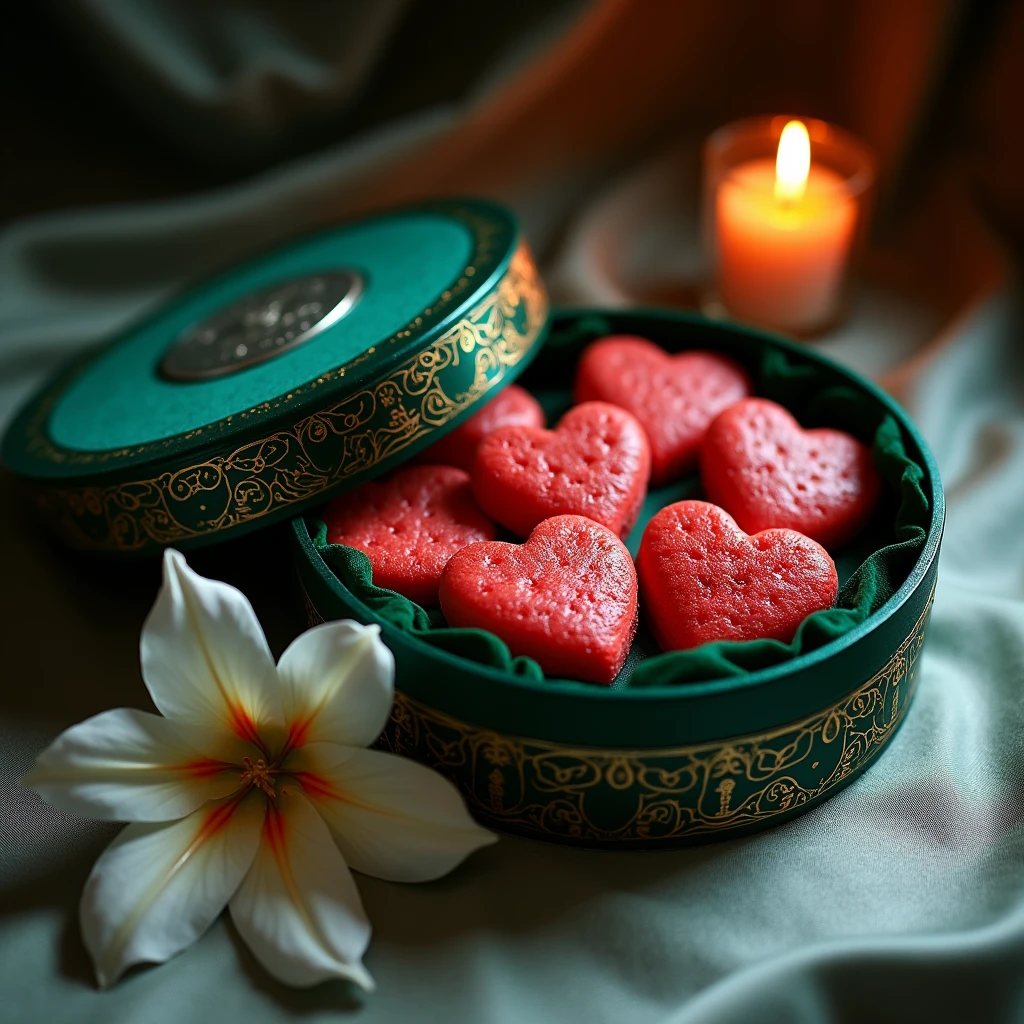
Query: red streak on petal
[317,785]
[214,821]
[319,788]
[276,837]
[203,768]
[242,724]
[297,732]
[274,833]
[296,737]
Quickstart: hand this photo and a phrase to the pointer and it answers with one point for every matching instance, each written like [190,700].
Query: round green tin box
[199,423]
[647,764]
[283,380]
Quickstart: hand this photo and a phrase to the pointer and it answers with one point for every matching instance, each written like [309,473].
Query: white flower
[252,791]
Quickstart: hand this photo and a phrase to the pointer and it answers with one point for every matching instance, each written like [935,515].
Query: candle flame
[793,163]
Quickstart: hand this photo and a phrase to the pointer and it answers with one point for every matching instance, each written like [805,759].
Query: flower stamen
[259,775]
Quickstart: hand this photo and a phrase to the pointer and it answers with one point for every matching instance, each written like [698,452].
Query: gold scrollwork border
[321,450]
[654,796]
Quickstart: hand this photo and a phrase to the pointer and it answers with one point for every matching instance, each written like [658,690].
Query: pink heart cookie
[511,407]
[595,463]
[674,397]
[760,465]
[703,579]
[409,525]
[566,598]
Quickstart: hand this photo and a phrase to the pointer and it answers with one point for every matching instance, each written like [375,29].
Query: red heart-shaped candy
[594,464]
[566,598]
[511,407]
[674,397]
[703,579]
[409,525]
[767,471]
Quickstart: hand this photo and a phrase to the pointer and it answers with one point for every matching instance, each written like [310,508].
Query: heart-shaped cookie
[594,464]
[674,397]
[566,598]
[760,465]
[512,407]
[409,525]
[703,579]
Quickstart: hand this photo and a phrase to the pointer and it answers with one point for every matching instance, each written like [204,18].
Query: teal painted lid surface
[295,375]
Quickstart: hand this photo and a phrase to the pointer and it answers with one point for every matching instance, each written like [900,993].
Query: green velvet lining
[871,569]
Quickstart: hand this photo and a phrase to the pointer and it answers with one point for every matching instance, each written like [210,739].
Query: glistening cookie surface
[760,465]
[594,464]
[409,525]
[674,397]
[703,579]
[566,598]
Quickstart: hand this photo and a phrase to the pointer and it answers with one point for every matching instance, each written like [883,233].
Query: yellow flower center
[260,775]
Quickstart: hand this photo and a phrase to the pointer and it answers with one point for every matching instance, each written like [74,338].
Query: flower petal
[207,664]
[298,909]
[391,818]
[337,684]
[127,765]
[157,888]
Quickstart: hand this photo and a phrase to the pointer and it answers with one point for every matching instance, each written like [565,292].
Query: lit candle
[784,231]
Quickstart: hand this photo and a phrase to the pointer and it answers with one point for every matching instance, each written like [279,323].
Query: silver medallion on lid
[261,325]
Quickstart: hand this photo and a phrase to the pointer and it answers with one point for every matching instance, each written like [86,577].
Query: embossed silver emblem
[261,325]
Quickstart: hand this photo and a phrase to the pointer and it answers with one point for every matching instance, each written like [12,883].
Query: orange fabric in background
[633,74]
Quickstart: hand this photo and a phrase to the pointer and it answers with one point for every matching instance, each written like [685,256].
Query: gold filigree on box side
[321,450]
[554,792]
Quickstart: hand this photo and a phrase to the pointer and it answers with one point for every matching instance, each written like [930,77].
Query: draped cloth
[900,898]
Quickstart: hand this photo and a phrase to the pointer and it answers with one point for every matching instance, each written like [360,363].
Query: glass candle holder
[782,230]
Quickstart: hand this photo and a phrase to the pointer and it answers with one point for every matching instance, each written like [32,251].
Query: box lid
[284,380]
